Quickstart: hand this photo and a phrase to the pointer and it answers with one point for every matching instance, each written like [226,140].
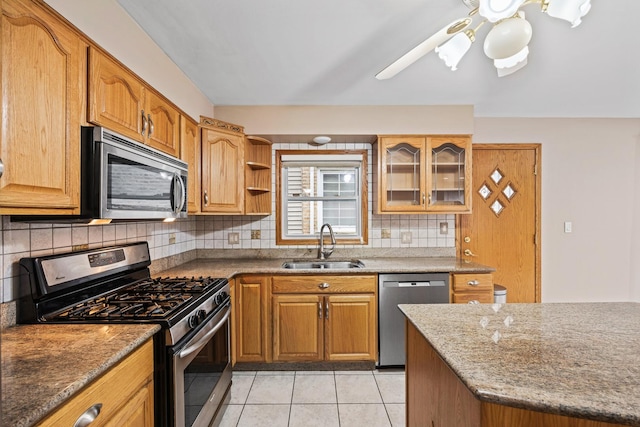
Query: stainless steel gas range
[113,285]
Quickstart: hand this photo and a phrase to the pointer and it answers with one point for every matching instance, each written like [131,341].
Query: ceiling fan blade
[423,48]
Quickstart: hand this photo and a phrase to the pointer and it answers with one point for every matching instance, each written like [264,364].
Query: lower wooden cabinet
[250,322]
[125,394]
[331,318]
[471,287]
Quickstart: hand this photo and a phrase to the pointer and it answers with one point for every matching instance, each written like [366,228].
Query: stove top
[157,298]
[114,285]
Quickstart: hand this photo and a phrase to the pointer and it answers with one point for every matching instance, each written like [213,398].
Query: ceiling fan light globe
[452,51]
[513,60]
[495,10]
[569,10]
[507,38]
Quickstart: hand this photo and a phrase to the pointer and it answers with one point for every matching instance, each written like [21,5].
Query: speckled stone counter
[44,365]
[580,360]
[231,266]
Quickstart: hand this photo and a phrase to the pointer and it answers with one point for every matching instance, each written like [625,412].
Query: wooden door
[350,327]
[116,97]
[190,153]
[222,172]
[164,124]
[42,88]
[298,327]
[504,229]
[250,318]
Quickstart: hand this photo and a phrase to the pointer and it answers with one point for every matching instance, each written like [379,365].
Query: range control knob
[197,318]
[220,297]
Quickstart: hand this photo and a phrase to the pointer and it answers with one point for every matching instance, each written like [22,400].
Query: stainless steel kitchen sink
[322,264]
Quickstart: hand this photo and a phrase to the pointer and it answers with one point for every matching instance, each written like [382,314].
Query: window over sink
[317,187]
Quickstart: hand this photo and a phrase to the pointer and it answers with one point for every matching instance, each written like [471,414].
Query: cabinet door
[298,327]
[251,318]
[137,411]
[190,153]
[163,121]
[449,174]
[42,88]
[116,97]
[402,174]
[222,172]
[350,327]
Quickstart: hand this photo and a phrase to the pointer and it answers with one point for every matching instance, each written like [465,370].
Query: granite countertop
[578,359]
[228,267]
[44,365]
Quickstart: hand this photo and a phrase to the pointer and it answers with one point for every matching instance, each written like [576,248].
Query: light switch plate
[568,227]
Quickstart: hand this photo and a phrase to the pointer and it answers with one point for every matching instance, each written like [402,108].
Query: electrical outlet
[385,233]
[405,237]
[233,238]
[255,234]
[172,238]
[444,228]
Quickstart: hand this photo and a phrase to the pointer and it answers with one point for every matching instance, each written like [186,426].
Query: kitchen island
[523,364]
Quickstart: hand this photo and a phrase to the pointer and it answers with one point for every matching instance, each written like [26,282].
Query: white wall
[107,24]
[589,177]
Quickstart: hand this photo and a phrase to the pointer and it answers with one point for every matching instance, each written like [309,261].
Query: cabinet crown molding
[219,124]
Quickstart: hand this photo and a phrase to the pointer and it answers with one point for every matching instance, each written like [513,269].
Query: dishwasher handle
[413,284]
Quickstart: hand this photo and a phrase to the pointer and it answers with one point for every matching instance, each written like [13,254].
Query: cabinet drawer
[485,297]
[472,282]
[113,390]
[323,283]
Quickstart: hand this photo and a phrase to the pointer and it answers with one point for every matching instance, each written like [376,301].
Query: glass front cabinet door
[424,174]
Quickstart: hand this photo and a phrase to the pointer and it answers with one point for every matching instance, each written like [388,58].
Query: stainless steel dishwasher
[404,288]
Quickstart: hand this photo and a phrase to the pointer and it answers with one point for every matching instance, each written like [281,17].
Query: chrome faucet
[322,252]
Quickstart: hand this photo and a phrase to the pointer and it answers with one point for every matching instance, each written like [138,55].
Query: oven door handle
[202,341]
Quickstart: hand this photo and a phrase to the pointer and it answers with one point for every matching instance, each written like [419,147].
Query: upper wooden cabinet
[424,174]
[190,153]
[42,87]
[257,198]
[222,167]
[120,101]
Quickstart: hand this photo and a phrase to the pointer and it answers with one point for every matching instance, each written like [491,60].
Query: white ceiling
[302,52]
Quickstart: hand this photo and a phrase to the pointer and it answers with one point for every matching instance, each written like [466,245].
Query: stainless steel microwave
[122,179]
[129,180]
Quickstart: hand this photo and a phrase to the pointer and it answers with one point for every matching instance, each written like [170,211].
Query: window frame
[281,239]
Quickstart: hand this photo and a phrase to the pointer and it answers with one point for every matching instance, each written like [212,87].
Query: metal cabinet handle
[1,168]
[473,283]
[324,285]
[144,124]
[468,252]
[88,416]
[424,199]
[474,301]
[151,126]
[206,198]
[326,309]
[319,310]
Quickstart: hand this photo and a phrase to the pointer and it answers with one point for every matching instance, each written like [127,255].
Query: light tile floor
[316,398]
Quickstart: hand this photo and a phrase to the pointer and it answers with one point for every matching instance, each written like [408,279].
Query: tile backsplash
[20,240]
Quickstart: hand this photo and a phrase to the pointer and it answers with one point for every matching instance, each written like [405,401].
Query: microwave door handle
[181,193]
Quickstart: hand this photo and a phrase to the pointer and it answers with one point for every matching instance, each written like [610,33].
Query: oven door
[201,372]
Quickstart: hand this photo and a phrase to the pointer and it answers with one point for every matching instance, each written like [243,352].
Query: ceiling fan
[507,41]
